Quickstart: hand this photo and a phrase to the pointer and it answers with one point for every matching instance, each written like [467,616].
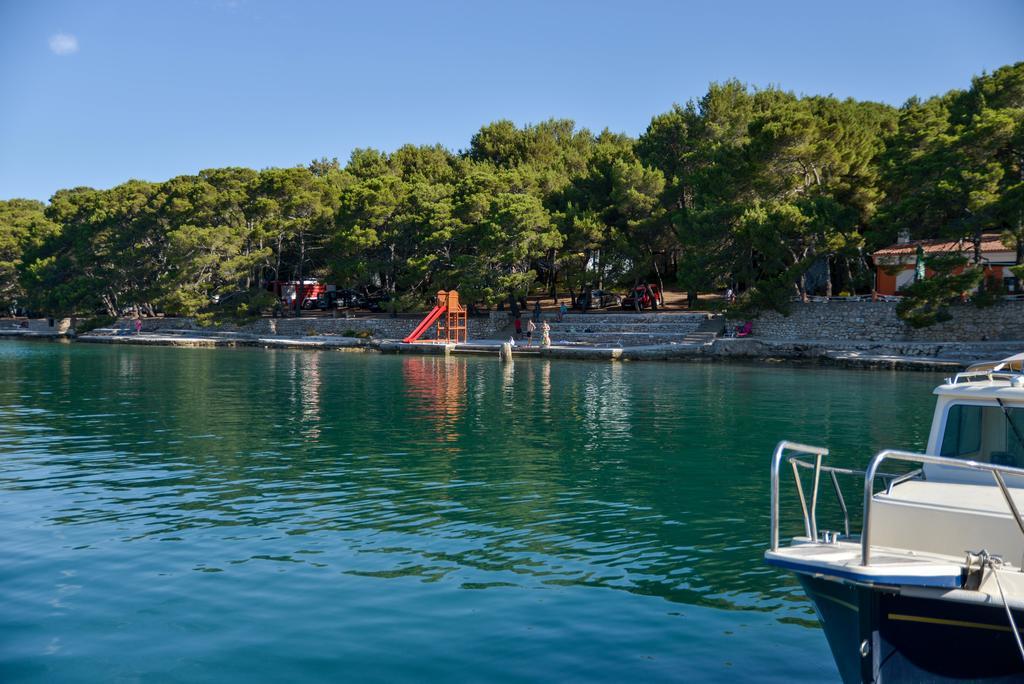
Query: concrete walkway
[938,357]
[16,332]
[196,338]
[893,362]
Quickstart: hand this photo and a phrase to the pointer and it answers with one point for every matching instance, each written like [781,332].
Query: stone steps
[656,328]
[667,318]
[611,327]
[700,338]
[168,332]
[625,339]
[615,330]
[628,329]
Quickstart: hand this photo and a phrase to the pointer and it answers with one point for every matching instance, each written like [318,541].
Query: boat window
[991,434]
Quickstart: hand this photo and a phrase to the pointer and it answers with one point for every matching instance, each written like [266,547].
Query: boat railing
[998,473]
[1010,369]
[791,453]
[1008,375]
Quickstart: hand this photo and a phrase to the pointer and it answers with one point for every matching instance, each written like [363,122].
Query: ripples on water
[225,515]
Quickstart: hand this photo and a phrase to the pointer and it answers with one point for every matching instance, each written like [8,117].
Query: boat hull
[879,635]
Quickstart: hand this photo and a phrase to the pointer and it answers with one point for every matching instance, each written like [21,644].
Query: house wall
[890,282]
[885,282]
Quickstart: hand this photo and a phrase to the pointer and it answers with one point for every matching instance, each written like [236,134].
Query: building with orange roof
[895,265]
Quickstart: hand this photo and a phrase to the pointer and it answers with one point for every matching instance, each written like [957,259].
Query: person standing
[561,311]
[545,334]
[536,311]
[519,327]
[530,328]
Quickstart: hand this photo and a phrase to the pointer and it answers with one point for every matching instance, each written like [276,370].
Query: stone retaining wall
[755,348]
[877,321]
[383,327]
[57,326]
[824,321]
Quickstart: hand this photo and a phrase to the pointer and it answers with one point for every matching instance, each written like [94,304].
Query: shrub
[361,334]
[927,301]
[86,324]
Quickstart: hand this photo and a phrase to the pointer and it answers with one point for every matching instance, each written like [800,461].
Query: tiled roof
[990,242]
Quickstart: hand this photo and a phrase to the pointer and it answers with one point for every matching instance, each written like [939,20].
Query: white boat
[932,588]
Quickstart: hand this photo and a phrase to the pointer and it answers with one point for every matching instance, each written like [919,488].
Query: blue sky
[95,93]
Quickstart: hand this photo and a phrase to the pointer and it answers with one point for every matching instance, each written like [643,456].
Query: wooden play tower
[448,315]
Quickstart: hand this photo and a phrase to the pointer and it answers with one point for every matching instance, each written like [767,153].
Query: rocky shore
[811,335]
[931,356]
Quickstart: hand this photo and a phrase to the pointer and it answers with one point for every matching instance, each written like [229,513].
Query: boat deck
[842,560]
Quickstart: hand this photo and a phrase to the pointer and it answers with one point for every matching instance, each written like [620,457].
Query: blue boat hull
[878,635]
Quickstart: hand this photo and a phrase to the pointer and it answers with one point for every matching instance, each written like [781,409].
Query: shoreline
[853,354]
[860,335]
[888,355]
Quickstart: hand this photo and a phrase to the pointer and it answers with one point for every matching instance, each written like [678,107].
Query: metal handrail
[997,472]
[969,375]
[810,521]
[835,469]
[795,449]
[916,472]
[842,503]
[780,449]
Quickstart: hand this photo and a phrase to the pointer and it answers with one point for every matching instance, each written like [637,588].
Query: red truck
[288,290]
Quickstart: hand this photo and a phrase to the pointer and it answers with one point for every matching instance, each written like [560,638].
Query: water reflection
[308,377]
[644,479]
[605,475]
[436,389]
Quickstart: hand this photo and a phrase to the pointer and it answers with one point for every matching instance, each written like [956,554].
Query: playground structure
[450,317]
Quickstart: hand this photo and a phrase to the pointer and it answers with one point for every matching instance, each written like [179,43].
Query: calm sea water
[249,515]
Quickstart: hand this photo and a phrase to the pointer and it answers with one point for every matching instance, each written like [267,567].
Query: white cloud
[63,44]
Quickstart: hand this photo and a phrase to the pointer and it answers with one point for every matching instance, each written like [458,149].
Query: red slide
[431,318]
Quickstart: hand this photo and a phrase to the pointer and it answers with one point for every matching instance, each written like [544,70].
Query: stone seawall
[36,327]
[817,322]
[877,321]
[755,348]
[383,327]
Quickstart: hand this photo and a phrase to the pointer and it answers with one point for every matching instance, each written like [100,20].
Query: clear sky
[94,93]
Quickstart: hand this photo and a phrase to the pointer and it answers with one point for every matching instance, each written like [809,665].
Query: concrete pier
[932,356]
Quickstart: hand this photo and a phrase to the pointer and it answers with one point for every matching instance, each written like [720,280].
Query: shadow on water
[573,482]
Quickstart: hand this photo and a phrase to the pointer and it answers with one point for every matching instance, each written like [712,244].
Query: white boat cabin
[979,416]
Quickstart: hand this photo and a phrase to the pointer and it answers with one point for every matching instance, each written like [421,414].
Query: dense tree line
[748,188]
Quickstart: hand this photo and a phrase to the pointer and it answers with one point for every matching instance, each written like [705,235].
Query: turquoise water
[240,515]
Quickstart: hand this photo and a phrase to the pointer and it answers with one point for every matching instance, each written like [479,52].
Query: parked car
[327,300]
[596,299]
[347,299]
[335,299]
[644,297]
[376,302]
